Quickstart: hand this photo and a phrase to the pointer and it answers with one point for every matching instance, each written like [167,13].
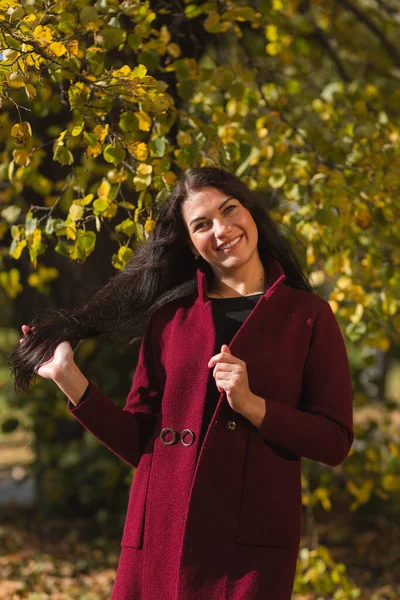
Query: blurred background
[102,105]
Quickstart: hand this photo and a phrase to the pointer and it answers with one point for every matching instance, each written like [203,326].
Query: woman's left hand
[230,374]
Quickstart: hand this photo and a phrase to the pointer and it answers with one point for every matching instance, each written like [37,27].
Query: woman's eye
[199,226]
[230,208]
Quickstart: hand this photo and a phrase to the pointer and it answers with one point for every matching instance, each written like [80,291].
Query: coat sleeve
[125,431]
[321,428]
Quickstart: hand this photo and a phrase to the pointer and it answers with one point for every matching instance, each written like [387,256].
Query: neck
[247,279]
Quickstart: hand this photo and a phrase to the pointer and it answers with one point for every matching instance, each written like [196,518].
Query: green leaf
[128,227]
[192,11]
[63,155]
[139,71]
[88,14]
[157,147]
[128,122]
[87,239]
[150,59]
[134,41]
[100,205]
[114,154]
[113,36]
[355,331]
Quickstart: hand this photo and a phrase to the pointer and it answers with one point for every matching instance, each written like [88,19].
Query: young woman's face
[221,229]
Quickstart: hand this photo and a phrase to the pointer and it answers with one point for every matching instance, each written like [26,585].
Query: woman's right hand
[62,357]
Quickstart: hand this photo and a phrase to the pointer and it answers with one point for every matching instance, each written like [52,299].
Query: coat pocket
[270,512]
[132,536]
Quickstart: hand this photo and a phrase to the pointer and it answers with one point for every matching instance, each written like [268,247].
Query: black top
[228,316]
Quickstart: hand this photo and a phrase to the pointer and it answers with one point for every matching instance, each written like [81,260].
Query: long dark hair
[162,269]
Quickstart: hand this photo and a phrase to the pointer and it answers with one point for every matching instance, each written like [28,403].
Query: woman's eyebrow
[219,208]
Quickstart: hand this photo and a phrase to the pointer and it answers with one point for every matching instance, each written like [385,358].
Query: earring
[196,257]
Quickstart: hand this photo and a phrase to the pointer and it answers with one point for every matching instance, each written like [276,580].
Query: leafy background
[103,104]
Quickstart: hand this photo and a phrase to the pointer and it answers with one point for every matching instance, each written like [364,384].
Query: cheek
[200,242]
[250,227]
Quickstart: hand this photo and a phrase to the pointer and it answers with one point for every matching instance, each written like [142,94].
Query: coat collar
[275,276]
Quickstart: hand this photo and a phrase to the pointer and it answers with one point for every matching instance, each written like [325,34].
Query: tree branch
[363,18]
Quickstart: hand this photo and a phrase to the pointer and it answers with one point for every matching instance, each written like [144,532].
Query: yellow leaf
[358,313]
[169,178]
[57,48]
[273,48]
[16,253]
[138,150]
[77,130]
[104,189]
[15,80]
[87,199]
[21,133]
[124,71]
[111,211]
[271,32]
[212,21]
[75,212]
[93,150]
[363,216]
[71,231]
[36,236]
[43,34]
[21,157]
[144,169]
[391,483]
[334,305]
[149,225]
[174,50]
[73,48]
[62,136]
[124,254]
[30,91]
[383,344]
[144,120]
[100,132]
[30,18]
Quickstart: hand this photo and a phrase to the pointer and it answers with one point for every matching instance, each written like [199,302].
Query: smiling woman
[242,371]
[225,235]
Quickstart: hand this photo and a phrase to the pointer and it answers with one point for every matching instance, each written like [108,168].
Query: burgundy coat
[222,522]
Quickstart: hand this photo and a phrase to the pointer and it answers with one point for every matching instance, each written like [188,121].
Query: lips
[231,244]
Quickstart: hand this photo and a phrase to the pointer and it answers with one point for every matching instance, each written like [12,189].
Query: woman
[242,371]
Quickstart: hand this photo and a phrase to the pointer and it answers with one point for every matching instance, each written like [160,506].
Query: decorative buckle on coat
[164,433]
[187,432]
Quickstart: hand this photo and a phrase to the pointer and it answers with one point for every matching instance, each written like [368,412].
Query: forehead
[201,201]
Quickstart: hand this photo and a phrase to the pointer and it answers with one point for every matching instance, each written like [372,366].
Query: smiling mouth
[231,244]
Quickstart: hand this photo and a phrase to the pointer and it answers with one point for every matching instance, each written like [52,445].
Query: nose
[220,228]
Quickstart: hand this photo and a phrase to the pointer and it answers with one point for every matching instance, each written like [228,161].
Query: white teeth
[232,243]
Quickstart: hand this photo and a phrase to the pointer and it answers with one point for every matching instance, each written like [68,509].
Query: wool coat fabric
[222,521]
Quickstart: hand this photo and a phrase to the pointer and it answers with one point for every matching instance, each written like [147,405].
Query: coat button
[231,425]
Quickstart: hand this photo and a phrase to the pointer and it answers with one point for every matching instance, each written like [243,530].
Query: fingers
[26,330]
[223,367]
[223,357]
